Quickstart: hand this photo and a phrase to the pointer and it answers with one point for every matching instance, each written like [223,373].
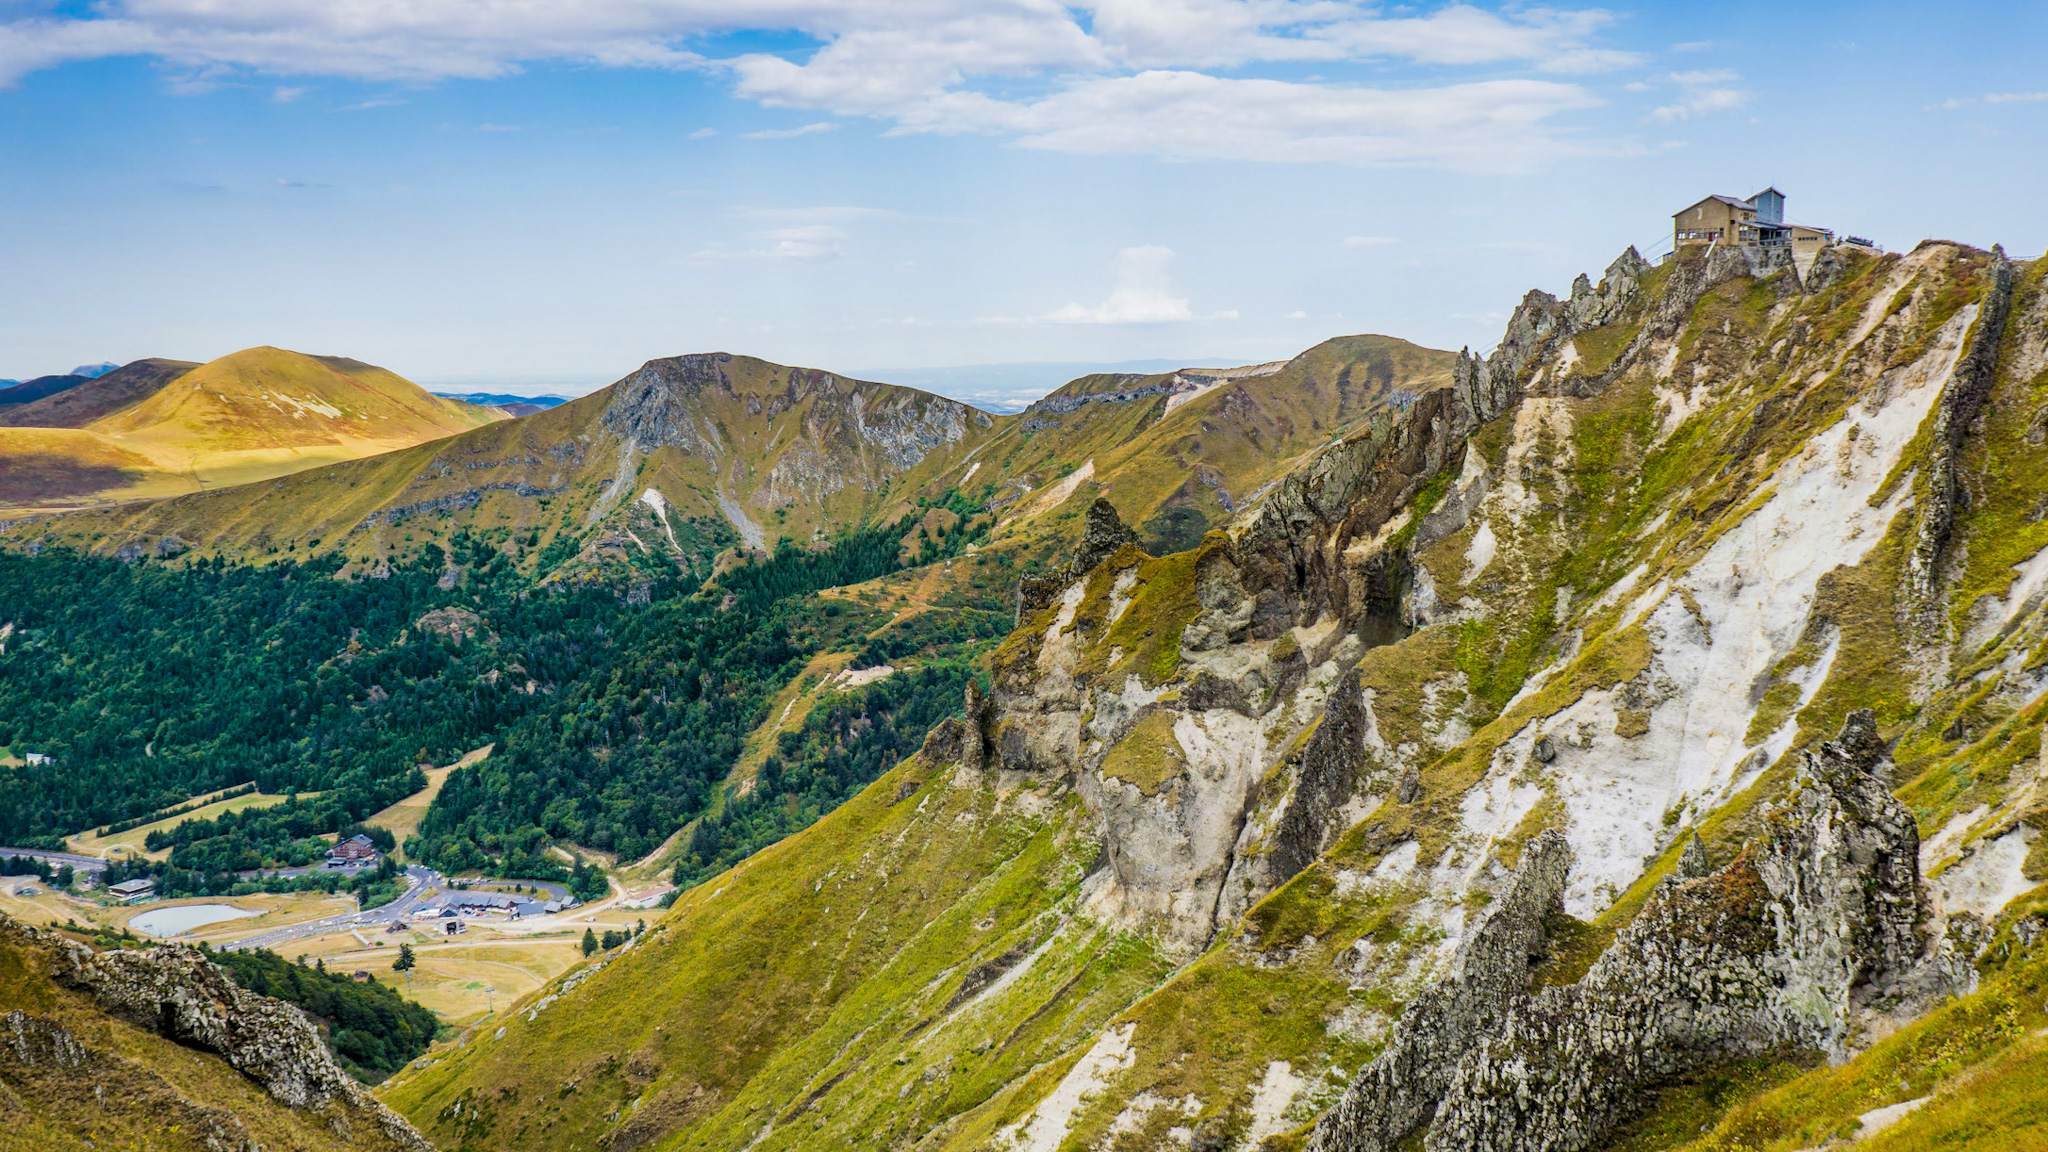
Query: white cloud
[792,133]
[1087,76]
[807,243]
[1496,125]
[1701,93]
[1369,241]
[287,95]
[702,134]
[1142,294]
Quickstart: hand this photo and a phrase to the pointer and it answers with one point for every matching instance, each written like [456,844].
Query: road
[78,863]
[426,884]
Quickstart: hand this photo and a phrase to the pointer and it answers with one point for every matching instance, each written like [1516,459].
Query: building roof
[1731,201]
[127,886]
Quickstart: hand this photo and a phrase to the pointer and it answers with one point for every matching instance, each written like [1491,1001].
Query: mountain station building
[1757,222]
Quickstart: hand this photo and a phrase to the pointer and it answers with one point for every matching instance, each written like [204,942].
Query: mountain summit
[160,427]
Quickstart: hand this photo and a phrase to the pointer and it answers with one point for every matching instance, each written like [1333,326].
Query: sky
[525,195]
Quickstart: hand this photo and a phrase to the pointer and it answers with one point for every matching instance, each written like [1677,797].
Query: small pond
[184,918]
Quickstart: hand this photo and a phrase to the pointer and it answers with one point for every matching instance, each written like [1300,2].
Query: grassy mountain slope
[75,1076]
[1719,508]
[97,397]
[248,416]
[786,452]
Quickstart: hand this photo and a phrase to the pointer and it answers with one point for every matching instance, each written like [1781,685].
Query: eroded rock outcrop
[177,993]
[1781,949]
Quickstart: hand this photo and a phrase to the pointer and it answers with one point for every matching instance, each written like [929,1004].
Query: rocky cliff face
[1613,582]
[1780,950]
[175,993]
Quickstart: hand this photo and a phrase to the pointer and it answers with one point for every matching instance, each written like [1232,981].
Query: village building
[1757,222]
[354,852]
[132,891]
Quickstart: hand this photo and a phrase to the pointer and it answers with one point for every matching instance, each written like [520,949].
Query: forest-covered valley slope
[564,624]
[1633,742]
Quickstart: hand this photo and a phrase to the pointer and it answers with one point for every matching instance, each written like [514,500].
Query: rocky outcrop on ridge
[1781,949]
[178,994]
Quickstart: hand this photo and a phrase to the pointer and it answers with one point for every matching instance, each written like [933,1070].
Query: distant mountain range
[515,404]
[1012,387]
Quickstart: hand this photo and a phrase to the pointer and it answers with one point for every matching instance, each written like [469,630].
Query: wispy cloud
[1955,102]
[819,213]
[287,95]
[366,105]
[702,134]
[807,243]
[1701,93]
[487,127]
[792,133]
[1138,77]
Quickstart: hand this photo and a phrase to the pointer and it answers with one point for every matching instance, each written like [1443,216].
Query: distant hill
[94,370]
[516,405]
[164,427]
[29,391]
[89,398]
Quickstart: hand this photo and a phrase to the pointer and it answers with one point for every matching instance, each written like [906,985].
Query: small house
[36,758]
[131,891]
[354,852]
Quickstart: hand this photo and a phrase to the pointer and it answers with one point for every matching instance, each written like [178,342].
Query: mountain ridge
[1600,599]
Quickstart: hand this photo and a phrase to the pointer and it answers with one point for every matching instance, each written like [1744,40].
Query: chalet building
[132,891]
[1758,222]
[353,852]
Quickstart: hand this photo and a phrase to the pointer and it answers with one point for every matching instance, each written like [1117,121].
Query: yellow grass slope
[252,415]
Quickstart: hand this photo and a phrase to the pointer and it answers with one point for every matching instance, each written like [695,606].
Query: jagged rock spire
[1104,533]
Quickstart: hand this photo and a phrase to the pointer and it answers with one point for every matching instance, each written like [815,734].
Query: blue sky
[548,194]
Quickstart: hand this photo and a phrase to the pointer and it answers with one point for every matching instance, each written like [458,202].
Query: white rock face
[1718,629]
[1045,1128]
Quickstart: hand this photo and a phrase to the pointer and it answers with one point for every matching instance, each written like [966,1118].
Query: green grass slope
[887,973]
